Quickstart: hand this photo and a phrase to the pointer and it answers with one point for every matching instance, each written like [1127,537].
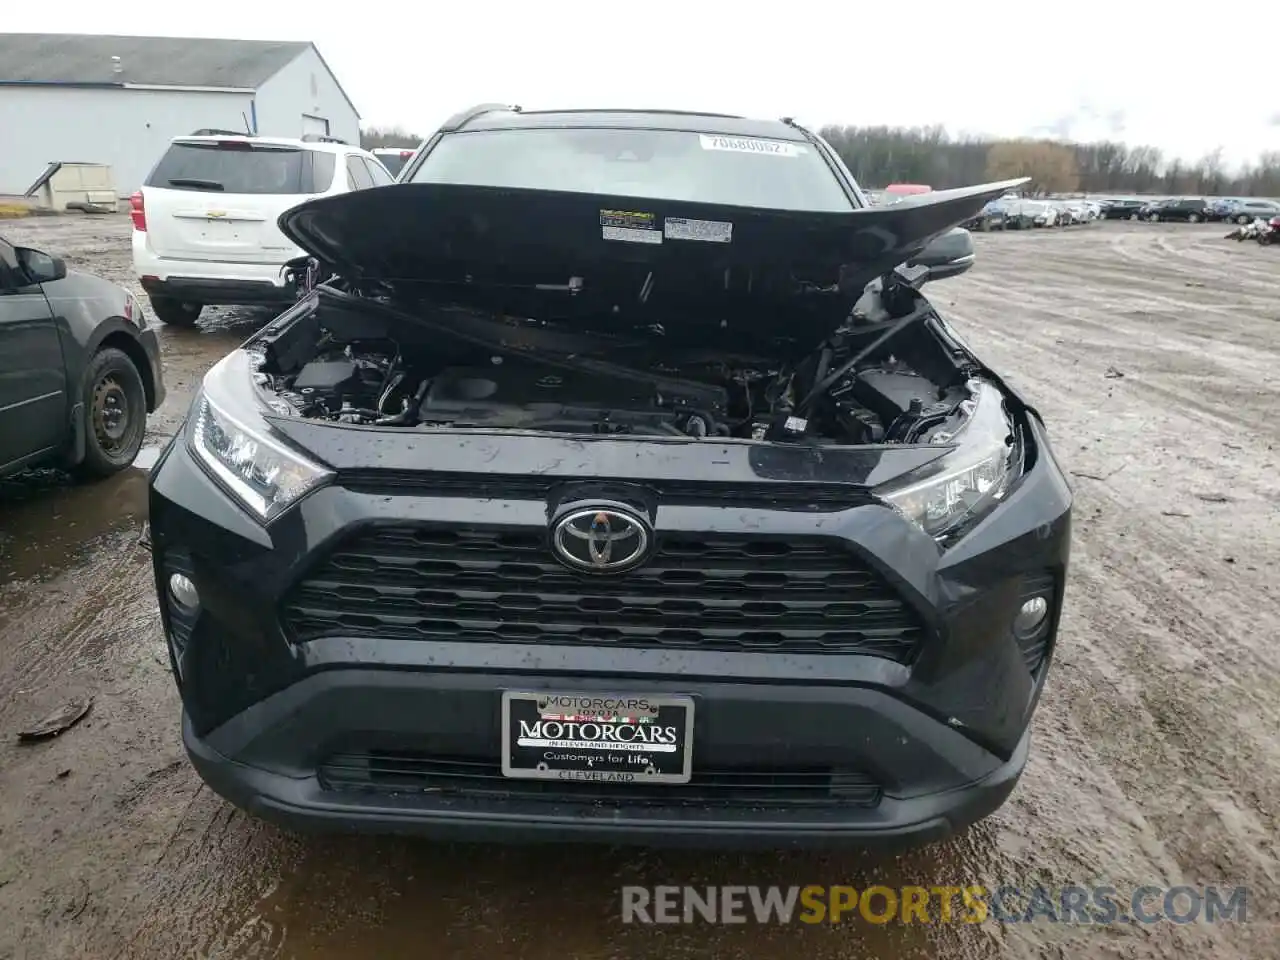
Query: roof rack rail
[215,132]
[321,138]
[459,120]
[658,110]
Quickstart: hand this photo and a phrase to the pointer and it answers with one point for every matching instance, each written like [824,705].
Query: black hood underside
[709,274]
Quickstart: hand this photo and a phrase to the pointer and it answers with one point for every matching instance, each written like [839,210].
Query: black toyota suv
[619,485]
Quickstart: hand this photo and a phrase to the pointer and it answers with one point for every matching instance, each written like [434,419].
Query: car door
[33,389]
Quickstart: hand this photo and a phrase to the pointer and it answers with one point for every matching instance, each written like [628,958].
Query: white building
[118,100]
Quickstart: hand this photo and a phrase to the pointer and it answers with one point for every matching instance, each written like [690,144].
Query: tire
[1153,218]
[115,404]
[1243,220]
[1134,216]
[175,313]
[1193,218]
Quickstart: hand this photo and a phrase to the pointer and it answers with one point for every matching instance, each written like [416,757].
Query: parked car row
[1191,209]
[1243,210]
[1017,213]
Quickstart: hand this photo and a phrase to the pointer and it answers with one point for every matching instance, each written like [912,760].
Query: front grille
[708,592]
[406,772]
[773,495]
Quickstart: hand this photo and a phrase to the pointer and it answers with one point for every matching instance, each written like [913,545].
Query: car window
[323,166]
[666,164]
[394,161]
[379,173]
[358,177]
[239,166]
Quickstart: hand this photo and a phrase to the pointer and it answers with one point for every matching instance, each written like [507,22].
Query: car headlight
[972,478]
[229,437]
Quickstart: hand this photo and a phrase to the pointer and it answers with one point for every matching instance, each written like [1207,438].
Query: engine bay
[883,377]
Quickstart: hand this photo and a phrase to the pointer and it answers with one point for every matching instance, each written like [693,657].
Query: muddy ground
[1153,352]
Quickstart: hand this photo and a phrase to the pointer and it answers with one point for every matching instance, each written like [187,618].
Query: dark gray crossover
[617,484]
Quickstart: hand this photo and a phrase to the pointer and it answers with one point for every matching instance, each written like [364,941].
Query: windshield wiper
[197,184]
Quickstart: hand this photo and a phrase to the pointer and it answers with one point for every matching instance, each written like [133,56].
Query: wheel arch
[129,346]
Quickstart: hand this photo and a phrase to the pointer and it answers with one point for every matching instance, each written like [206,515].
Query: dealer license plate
[606,738]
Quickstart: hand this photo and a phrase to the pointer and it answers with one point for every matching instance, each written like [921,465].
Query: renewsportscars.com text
[969,904]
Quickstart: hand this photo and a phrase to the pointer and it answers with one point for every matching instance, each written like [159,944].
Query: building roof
[75,58]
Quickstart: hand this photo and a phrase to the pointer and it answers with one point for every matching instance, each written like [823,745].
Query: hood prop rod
[915,316]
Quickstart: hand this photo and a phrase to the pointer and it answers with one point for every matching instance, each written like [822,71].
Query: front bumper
[935,741]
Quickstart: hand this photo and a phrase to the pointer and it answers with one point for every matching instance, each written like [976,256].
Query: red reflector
[138,212]
[406,153]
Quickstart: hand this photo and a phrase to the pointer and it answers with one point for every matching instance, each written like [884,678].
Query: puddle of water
[47,518]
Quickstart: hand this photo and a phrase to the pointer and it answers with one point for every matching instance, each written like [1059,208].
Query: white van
[204,224]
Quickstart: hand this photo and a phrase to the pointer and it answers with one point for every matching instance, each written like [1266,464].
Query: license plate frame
[647,757]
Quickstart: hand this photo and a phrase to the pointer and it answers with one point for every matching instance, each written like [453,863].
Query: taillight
[138,212]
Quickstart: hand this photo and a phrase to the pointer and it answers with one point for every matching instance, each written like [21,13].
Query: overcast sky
[1185,77]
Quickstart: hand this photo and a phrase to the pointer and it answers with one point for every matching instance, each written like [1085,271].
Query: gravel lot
[1153,352]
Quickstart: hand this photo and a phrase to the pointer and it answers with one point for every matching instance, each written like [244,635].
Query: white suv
[204,224]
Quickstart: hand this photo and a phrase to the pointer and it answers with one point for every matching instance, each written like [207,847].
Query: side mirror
[39,267]
[947,256]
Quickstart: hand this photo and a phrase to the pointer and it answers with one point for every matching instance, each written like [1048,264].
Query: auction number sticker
[711,231]
[629,226]
[772,148]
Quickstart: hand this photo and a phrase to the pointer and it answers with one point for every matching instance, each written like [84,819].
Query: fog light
[1030,616]
[183,591]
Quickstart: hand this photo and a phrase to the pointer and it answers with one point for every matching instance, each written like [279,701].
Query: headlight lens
[970,479]
[229,437]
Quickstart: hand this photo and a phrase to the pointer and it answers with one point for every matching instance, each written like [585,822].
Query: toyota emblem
[601,539]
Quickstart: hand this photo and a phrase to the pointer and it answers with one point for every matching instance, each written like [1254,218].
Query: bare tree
[881,155]
[373,137]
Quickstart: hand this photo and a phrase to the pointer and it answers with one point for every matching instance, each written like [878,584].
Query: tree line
[878,156]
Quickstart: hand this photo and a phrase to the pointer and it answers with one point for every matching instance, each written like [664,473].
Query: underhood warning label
[631,226]
[712,231]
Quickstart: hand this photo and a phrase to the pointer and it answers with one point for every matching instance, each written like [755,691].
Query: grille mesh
[708,592]
[403,772]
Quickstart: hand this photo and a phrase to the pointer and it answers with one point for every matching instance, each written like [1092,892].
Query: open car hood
[709,274]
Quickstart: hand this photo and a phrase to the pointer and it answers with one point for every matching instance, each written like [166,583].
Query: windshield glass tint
[237,168]
[663,164]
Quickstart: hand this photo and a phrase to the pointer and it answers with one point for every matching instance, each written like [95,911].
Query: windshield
[662,164]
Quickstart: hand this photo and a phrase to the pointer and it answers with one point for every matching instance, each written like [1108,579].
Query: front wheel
[175,313]
[1193,218]
[1243,220]
[115,403]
